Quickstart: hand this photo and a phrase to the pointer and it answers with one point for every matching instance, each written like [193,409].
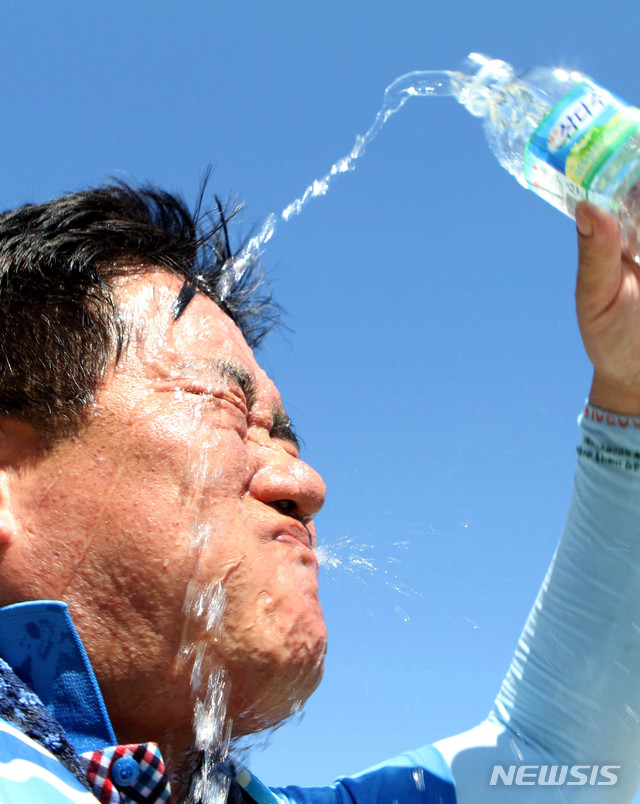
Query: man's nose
[289,484]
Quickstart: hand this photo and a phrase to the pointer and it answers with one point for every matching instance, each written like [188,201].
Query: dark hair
[59,325]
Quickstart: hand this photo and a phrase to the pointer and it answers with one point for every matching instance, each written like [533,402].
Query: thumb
[599,257]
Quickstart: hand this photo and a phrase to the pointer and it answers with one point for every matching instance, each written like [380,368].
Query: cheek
[290,618]
[272,604]
[189,484]
[205,452]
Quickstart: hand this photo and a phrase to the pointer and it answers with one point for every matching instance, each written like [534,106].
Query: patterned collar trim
[127,774]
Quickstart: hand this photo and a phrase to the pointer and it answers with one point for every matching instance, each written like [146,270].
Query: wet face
[185,479]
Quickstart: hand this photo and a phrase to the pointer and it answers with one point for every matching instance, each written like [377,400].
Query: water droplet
[418,778]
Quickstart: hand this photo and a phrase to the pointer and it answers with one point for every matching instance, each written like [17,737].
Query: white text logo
[554,775]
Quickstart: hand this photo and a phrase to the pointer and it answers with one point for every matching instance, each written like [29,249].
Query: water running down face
[108,518]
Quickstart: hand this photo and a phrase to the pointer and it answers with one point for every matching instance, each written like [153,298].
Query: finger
[599,259]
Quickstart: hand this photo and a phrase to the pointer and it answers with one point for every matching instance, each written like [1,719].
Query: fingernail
[583,224]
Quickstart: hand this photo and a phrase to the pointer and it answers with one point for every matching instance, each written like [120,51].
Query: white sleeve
[570,702]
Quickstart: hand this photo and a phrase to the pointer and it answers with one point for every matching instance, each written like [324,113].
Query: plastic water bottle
[561,135]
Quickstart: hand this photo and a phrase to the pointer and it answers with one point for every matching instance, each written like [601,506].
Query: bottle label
[578,151]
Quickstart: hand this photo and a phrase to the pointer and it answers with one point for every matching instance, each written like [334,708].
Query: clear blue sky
[433,367]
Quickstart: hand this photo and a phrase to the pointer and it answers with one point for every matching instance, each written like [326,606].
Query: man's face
[186,474]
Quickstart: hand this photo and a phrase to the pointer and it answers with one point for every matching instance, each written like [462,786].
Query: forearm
[573,689]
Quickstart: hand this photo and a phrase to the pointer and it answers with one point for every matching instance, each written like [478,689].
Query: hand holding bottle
[608,307]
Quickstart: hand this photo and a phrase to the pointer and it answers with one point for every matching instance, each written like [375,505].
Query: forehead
[201,340]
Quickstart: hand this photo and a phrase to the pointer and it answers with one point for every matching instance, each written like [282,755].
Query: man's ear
[18,448]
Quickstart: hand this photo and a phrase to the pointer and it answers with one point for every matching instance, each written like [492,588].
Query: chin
[276,690]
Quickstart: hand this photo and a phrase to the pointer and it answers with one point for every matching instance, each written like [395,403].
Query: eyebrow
[282,427]
[240,376]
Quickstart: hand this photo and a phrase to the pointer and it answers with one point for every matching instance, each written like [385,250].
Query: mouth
[298,536]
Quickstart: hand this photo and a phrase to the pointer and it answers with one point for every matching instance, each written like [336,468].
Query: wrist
[614,396]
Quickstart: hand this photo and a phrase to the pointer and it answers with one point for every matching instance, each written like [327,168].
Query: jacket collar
[39,641]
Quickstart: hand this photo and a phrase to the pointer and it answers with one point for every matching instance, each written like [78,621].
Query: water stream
[205,603]
[422,83]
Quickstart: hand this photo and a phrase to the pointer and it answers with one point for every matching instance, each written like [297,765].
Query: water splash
[204,609]
[205,604]
[422,83]
[355,560]
[212,737]
[418,778]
